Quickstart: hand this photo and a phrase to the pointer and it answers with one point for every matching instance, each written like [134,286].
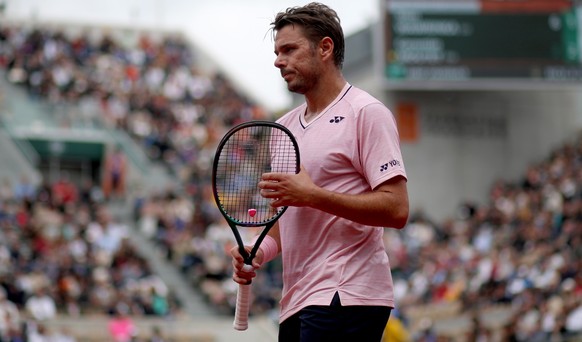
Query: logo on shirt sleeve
[392,163]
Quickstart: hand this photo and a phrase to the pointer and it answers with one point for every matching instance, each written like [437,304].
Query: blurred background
[110,113]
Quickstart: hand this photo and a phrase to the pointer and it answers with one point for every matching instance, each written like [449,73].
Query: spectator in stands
[121,327]
[24,189]
[40,305]
[156,335]
[37,332]
[115,170]
[64,192]
[106,234]
[9,316]
[6,189]
[396,330]
[90,193]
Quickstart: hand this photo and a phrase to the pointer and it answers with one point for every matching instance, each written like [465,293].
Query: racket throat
[247,258]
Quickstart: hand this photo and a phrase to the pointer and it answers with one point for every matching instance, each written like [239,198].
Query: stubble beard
[305,81]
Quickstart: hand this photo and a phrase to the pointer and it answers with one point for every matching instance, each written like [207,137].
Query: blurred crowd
[62,253]
[522,249]
[152,89]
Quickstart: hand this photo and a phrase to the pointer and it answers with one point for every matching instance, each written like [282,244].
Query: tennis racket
[246,152]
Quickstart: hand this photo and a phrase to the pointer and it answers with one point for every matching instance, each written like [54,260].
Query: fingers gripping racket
[243,155]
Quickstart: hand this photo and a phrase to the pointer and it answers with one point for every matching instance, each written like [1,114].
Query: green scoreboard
[481,43]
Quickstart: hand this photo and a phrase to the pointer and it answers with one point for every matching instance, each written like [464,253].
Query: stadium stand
[508,270]
[94,269]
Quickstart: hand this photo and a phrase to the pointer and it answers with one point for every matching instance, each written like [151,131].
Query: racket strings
[245,156]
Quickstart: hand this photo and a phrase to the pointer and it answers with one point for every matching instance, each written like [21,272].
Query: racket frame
[243,296]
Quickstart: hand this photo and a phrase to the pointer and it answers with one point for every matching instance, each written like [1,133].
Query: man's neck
[318,99]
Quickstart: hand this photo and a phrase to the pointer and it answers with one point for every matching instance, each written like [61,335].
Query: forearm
[387,206]
[276,235]
[271,246]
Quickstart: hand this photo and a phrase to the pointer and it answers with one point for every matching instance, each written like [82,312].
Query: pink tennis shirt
[351,147]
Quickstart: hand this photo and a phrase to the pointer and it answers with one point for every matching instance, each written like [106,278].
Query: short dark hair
[318,21]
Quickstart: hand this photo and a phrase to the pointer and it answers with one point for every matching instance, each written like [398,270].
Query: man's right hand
[239,274]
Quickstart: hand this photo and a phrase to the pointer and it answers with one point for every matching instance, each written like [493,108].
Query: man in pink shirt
[352,185]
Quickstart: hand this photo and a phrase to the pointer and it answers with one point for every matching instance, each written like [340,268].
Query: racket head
[246,152]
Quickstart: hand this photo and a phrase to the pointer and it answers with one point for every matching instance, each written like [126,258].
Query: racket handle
[243,301]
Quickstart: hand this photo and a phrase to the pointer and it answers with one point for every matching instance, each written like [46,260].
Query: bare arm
[385,206]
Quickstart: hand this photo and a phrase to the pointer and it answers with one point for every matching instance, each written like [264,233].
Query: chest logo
[336,119]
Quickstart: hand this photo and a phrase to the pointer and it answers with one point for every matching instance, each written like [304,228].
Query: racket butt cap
[240,326]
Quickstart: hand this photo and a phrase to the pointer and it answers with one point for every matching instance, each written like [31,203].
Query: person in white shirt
[41,306]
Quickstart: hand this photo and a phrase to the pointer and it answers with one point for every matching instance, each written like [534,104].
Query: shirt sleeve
[379,144]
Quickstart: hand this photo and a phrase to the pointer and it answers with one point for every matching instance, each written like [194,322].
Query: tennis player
[337,284]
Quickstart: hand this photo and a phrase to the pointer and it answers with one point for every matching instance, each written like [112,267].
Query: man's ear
[326,48]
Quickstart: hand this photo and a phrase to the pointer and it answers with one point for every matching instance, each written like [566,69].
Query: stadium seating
[514,262]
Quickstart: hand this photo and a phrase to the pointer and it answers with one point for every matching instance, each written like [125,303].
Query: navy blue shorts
[335,323]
